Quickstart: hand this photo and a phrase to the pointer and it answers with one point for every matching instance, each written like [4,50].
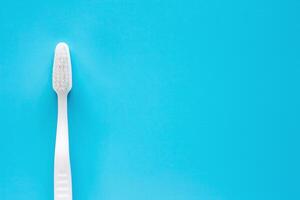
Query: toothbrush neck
[62,135]
[62,109]
[62,102]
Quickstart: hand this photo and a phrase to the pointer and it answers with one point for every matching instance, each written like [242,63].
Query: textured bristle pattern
[62,75]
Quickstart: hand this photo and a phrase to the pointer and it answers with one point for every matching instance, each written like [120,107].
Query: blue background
[171,100]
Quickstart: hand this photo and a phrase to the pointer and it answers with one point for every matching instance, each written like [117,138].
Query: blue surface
[171,100]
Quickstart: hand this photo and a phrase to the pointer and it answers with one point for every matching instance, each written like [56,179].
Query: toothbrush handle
[62,168]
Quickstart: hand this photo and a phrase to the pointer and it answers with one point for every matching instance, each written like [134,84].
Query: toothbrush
[62,84]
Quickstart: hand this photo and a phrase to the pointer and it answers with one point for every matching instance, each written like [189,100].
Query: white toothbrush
[62,84]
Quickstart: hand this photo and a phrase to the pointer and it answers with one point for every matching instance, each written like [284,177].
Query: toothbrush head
[62,72]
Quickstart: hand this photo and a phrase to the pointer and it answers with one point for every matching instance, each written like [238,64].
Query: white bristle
[62,73]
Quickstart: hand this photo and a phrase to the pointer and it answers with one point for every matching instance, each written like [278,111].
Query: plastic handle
[62,168]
